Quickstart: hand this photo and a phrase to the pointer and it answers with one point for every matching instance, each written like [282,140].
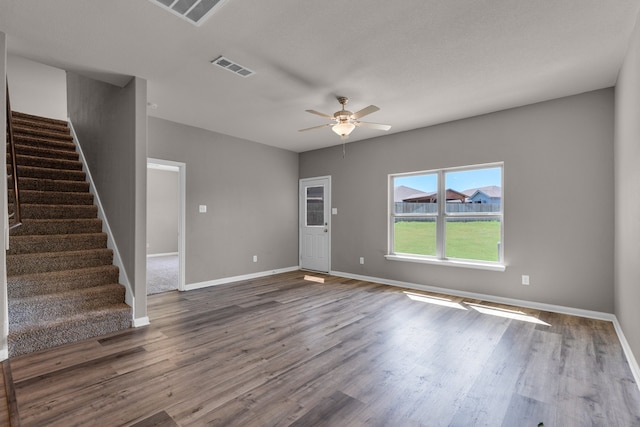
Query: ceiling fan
[345,121]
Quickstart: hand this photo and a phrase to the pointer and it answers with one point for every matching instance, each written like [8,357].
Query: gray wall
[111,125]
[251,193]
[627,202]
[163,205]
[559,152]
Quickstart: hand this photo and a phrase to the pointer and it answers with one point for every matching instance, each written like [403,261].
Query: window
[447,215]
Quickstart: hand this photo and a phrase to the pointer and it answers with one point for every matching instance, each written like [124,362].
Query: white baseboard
[225,280]
[167,254]
[633,364]
[141,321]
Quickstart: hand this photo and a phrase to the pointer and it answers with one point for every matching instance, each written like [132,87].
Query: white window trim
[441,219]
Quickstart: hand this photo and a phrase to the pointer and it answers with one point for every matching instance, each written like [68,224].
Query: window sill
[448,262]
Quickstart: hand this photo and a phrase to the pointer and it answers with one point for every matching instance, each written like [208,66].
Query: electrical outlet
[525,279]
[361,260]
[255,258]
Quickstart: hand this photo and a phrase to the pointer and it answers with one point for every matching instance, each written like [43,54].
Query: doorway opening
[165,226]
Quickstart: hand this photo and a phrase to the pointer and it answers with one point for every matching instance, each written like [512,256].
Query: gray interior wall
[627,202]
[163,206]
[110,122]
[558,196]
[251,194]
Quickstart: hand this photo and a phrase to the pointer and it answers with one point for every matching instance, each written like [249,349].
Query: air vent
[231,66]
[194,11]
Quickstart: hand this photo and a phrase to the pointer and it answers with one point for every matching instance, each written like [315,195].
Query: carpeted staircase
[62,284]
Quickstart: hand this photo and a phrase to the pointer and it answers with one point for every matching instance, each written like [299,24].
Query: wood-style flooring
[284,351]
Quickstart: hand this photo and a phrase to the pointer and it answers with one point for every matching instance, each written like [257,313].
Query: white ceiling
[422,62]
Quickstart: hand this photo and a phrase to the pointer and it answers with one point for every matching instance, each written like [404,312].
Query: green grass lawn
[477,240]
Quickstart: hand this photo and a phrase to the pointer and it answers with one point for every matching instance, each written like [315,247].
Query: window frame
[441,221]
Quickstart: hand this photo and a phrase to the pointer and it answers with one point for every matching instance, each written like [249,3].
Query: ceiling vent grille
[194,11]
[235,68]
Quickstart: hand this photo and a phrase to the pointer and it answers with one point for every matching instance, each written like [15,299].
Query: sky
[457,180]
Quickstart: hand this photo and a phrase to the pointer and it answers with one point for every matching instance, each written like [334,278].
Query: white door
[315,224]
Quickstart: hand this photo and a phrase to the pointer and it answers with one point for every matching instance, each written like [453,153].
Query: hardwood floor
[282,351]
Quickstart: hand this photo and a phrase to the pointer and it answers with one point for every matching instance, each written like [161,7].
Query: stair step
[34,121]
[56,243]
[45,162]
[37,184]
[39,119]
[59,281]
[49,143]
[57,261]
[29,150]
[53,197]
[48,173]
[38,211]
[58,226]
[52,306]
[19,129]
[47,334]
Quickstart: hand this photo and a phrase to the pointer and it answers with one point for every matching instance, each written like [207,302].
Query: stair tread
[81,316]
[47,162]
[44,152]
[42,184]
[33,117]
[24,285]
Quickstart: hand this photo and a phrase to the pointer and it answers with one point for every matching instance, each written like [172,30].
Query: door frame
[301,216]
[182,197]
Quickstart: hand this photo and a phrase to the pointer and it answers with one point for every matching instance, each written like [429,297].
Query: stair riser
[45,162]
[56,243]
[43,173]
[46,143]
[57,305]
[36,184]
[58,211]
[40,338]
[42,133]
[58,226]
[62,281]
[56,261]
[25,150]
[53,198]
[39,124]
[40,119]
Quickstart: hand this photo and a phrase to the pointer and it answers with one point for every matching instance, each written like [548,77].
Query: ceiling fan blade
[372,125]
[318,113]
[366,110]
[316,127]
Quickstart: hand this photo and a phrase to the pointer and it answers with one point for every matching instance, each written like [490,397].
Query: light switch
[203,208]
[334,211]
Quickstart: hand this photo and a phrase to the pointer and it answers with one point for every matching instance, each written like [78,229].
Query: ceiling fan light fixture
[343,129]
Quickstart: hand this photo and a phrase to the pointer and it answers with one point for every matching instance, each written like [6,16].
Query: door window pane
[315,206]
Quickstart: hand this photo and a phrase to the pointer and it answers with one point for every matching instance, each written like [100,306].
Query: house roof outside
[492,191]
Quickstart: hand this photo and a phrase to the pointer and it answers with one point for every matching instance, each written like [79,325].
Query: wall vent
[194,11]
[235,68]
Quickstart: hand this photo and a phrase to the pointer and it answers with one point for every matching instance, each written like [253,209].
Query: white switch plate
[525,279]
[255,258]
[334,211]
[202,208]
[361,260]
